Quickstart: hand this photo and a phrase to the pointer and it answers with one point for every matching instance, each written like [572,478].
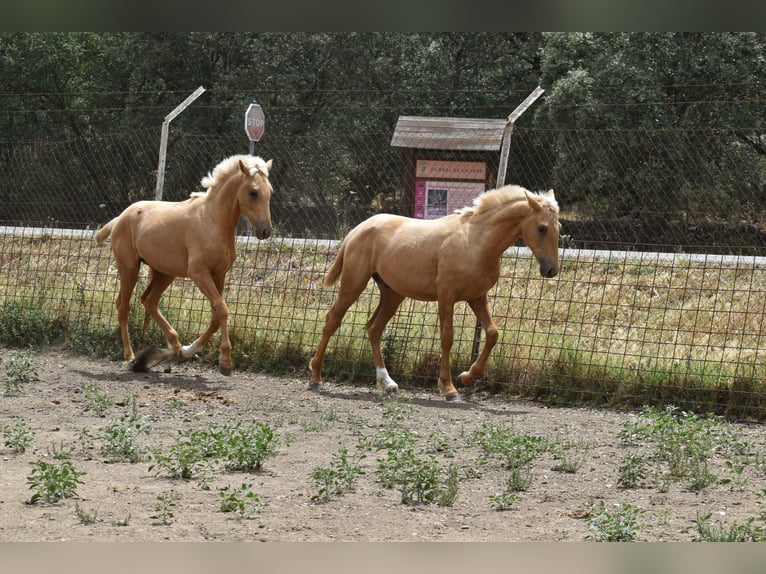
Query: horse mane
[504,195]
[226,167]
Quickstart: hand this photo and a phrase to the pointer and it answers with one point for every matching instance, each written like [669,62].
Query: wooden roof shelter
[448,133]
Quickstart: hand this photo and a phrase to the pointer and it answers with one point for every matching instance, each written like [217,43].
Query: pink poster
[434,199]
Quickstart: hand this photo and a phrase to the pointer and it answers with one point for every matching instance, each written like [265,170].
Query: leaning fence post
[164,139]
[504,152]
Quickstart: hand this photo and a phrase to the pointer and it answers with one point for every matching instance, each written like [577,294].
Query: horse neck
[496,229]
[224,204]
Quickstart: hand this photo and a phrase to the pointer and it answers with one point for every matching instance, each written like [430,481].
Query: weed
[120,440]
[17,436]
[519,478]
[618,526]
[95,400]
[83,516]
[247,448]
[571,456]
[53,481]
[124,522]
[438,442]
[737,481]
[419,481]
[19,371]
[341,476]
[707,532]
[515,449]
[632,471]
[503,500]
[184,460]
[164,510]
[241,500]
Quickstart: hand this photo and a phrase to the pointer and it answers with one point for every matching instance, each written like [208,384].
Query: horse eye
[253,193]
[542,228]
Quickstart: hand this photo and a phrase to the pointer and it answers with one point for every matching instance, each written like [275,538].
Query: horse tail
[333,273]
[105,231]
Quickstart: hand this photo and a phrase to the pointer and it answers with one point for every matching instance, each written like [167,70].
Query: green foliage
[19,371]
[17,436]
[621,525]
[339,477]
[708,532]
[96,401]
[632,471]
[570,455]
[53,481]
[84,516]
[247,448]
[120,440]
[515,449]
[503,500]
[164,510]
[27,324]
[241,500]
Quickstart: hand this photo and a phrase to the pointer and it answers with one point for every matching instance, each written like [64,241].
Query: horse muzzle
[262,230]
[549,269]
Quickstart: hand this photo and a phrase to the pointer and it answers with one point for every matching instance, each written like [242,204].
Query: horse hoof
[314,385]
[224,370]
[454,398]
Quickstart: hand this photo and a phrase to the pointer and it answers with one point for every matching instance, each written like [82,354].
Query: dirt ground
[122,497]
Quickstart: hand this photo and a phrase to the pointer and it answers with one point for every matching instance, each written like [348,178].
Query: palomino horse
[454,258]
[194,238]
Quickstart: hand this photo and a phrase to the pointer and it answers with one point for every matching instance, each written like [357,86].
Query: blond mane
[504,195]
[224,169]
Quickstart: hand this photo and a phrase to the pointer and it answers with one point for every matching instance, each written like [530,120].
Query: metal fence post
[501,169]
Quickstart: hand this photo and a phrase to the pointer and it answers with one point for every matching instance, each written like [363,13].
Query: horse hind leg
[389,303]
[128,278]
[158,284]
[346,297]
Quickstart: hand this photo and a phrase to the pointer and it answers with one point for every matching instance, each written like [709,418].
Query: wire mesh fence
[661,294]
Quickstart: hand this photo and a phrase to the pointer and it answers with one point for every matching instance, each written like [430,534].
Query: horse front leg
[212,289]
[446,332]
[480,308]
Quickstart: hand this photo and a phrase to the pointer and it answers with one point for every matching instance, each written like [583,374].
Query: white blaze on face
[384,382]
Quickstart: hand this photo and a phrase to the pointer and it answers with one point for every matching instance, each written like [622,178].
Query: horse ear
[532,202]
[550,193]
[243,168]
[268,164]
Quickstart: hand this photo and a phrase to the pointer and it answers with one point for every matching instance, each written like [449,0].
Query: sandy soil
[122,497]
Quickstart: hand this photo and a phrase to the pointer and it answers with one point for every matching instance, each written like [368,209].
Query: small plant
[247,448]
[503,500]
[438,442]
[633,471]
[95,400]
[83,516]
[571,456]
[519,478]
[707,532]
[120,440]
[53,481]
[242,501]
[19,371]
[184,460]
[17,436]
[737,481]
[618,526]
[164,509]
[341,476]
